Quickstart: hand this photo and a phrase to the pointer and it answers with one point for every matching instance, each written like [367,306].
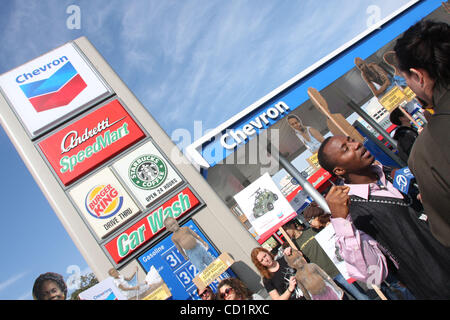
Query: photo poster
[327,240]
[104,290]
[265,207]
[177,272]
[152,287]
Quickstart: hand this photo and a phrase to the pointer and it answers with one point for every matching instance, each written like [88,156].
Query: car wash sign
[84,145]
[145,229]
[50,89]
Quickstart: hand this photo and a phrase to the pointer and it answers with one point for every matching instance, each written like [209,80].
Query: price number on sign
[174,259]
[185,276]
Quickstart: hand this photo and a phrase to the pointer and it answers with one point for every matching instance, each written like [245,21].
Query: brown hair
[314,211]
[48,276]
[324,218]
[264,271]
[426,45]
[241,290]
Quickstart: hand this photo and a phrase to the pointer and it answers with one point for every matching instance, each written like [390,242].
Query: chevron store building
[270,147]
[111,176]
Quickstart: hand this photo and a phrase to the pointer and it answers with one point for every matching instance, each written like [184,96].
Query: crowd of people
[380,231]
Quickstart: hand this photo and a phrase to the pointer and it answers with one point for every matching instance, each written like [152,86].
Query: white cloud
[189,60]
[12,280]
[198,59]
[26,296]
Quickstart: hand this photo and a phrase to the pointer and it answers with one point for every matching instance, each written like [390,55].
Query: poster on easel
[327,240]
[121,286]
[265,206]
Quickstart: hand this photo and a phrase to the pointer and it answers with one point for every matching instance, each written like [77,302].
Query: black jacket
[423,261]
[405,136]
[429,161]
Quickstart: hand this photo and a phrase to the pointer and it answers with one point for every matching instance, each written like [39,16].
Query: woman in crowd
[309,136]
[235,289]
[278,277]
[50,286]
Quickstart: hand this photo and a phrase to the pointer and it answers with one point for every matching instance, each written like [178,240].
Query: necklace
[400,202]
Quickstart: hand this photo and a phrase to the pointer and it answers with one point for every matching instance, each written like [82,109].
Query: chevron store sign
[51,88]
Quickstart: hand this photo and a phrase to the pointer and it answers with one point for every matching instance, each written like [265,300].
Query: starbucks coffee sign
[147,173]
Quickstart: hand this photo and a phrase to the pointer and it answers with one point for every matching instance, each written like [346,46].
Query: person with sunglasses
[206,294]
[235,289]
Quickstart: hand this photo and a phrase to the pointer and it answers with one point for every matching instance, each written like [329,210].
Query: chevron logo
[56,91]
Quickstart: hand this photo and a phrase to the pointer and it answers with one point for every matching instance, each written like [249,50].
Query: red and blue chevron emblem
[56,91]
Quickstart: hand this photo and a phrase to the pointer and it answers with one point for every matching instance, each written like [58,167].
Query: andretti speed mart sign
[88,142]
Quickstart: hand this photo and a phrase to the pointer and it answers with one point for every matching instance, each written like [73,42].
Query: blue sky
[186,61]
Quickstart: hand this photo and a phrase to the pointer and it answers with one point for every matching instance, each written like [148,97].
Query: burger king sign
[103,202]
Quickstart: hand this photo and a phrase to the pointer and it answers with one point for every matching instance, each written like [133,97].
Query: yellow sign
[160,293]
[393,98]
[409,94]
[314,161]
[213,271]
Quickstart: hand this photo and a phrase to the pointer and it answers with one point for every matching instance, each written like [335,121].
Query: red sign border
[101,164]
[111,244]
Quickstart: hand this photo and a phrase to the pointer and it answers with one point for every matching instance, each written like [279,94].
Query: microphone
[404,179]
